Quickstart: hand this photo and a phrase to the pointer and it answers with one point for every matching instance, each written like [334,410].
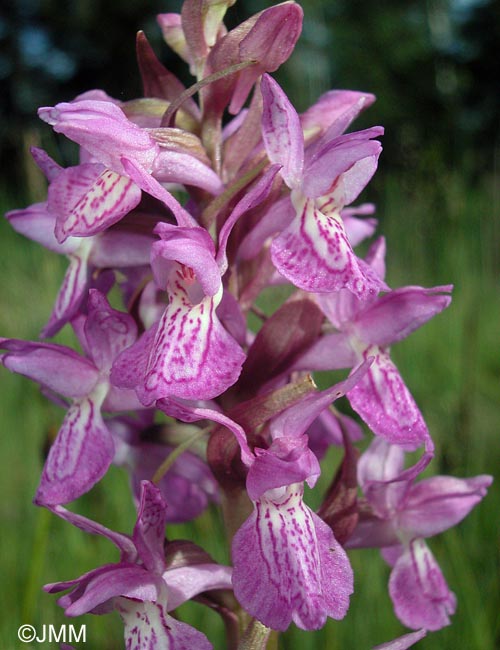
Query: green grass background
[438,230]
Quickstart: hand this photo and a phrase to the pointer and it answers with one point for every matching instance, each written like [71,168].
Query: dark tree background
[433,65]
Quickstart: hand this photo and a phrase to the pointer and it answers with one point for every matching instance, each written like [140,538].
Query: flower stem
[180,449]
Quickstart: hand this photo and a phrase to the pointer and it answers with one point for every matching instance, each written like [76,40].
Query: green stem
[169,115]
[174,455]
[258,637]
[214,207]
[37,561]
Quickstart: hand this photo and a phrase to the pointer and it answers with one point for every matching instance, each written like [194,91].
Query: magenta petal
[294,420]
[357,230]
[288,565]
[392,553]
[117,248]
[372,532]
[37,223]
[276,219]
[399,313]
[179,167]
[149,531]
[193,357]
[288,460]
[378,466]
[418,590]
[282,132]
[186,582]
[380,462]
[253,197]
[335,110]
[376,256]
[149,627]
[351,162]
[150,185]
[49,167]
[79,583]
[330,352]
[438,503]
[179,253]
[88,199]
[232,317]
[188,486]
[355,179]
[402,642]
[79,457]
[107,330]
[72,290]
[326,430]
[190,413]
[315,254]
[129,368]
[119,580]
[384,402]
[121,541]
[102,128]
[270,41]
[55,366]
[341,307]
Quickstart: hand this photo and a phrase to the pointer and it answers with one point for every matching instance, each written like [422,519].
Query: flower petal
[334,111]
[148,626]
[276,219]
[269,42]
[288,460]
[253,197]
[438,503]
[384,402]
[55,366]
[180,167]
[121,541]
[102,128]
[297,418]
[107,330]
[150,185]
[330,352]
[345,164]
[193,357]
[288,565]
[398,313]
[149,530]
[315,254]
[88,199]
[372,532]
[188,486]
[79,457]
[282,132]
[326,430]
[129,368]
[49,167]
[380,462]
[418,590]
[180,249]
[37,223]
[100,586]
[359,229]
[72,290]
[402,642]
[187,582]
